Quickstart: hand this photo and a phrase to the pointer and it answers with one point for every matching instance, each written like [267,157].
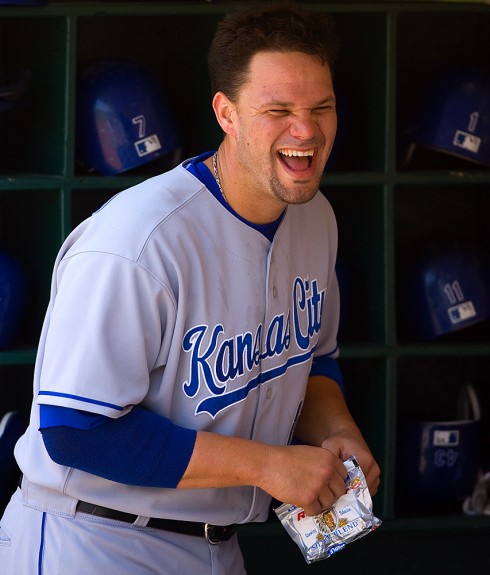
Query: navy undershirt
[141,447]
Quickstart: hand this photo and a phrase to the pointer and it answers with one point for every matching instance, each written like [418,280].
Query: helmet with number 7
[455,118]
[123,119]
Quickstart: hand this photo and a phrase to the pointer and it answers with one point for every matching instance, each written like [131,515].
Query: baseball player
[191,334]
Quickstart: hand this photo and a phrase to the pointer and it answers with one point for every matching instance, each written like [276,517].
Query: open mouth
[296,160]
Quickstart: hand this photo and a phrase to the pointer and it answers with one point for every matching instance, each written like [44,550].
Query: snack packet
[349,519]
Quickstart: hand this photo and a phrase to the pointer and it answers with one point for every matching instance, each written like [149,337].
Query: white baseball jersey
[164,298]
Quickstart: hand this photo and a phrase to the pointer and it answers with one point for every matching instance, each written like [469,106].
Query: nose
[303,125]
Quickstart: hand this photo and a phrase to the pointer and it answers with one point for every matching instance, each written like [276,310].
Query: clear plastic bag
[350,518]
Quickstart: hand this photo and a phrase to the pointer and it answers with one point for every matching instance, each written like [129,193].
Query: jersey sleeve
[103,334]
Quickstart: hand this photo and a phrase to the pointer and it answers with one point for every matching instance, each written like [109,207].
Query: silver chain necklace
[216,175]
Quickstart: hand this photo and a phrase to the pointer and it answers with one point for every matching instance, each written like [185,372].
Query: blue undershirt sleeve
[140,448]
[329,367]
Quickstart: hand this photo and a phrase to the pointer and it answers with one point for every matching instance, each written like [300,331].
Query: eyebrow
[328,100]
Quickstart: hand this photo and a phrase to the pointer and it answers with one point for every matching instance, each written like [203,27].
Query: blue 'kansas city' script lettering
[216,363]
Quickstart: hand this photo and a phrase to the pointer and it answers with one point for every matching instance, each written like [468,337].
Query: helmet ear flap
[123,118]
[454,118]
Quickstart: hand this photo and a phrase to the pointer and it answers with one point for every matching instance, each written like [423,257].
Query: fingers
[329,495]
[325,500]
[309,477]
[355,446]
[312,478]
[371,472]
[373,479]
[332,484]
[335,488]
[335,485]
[314,509]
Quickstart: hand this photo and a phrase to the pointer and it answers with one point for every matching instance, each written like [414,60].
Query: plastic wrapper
[350,518]
[478,503]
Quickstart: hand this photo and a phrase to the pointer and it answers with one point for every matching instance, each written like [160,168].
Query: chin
[301,197]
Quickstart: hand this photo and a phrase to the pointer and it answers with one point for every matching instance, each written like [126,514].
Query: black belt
[214,534]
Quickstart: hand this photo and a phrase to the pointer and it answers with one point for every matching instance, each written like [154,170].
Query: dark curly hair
[278,27]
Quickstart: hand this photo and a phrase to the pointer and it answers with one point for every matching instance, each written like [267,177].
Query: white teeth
[290,153]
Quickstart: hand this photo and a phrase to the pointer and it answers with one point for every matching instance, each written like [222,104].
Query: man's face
[286,124]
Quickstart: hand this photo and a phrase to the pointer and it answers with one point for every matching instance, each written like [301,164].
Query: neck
[216,175]
[238,194]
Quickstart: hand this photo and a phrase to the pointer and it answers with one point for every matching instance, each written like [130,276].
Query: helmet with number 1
[456,115]
[123,119]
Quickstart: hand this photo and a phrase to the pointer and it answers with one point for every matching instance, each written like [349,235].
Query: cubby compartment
[442,439]
[33,60]
[155,44]
[442,235]
[367,397]
[435,49]
[361,261]
[18,378]
[368,394]
[31,232]
[360,85]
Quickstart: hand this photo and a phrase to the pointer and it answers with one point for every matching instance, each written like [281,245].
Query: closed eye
[278,112]
[324,109]
[318,110]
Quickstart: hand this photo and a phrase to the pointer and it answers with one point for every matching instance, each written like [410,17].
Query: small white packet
[349,519]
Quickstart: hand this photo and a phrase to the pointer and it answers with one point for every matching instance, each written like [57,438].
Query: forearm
[223,461]
[324,412]
[306,476]
[327,422]
[219,461]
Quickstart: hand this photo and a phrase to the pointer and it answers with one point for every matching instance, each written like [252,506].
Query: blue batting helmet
[12,298]
[445,290]
[123,119]
[455,116]
[438,460]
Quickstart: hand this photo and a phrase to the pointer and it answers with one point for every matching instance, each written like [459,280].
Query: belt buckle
[208,534]
[211,535]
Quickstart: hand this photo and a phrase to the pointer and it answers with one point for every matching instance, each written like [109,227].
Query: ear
[223,109]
